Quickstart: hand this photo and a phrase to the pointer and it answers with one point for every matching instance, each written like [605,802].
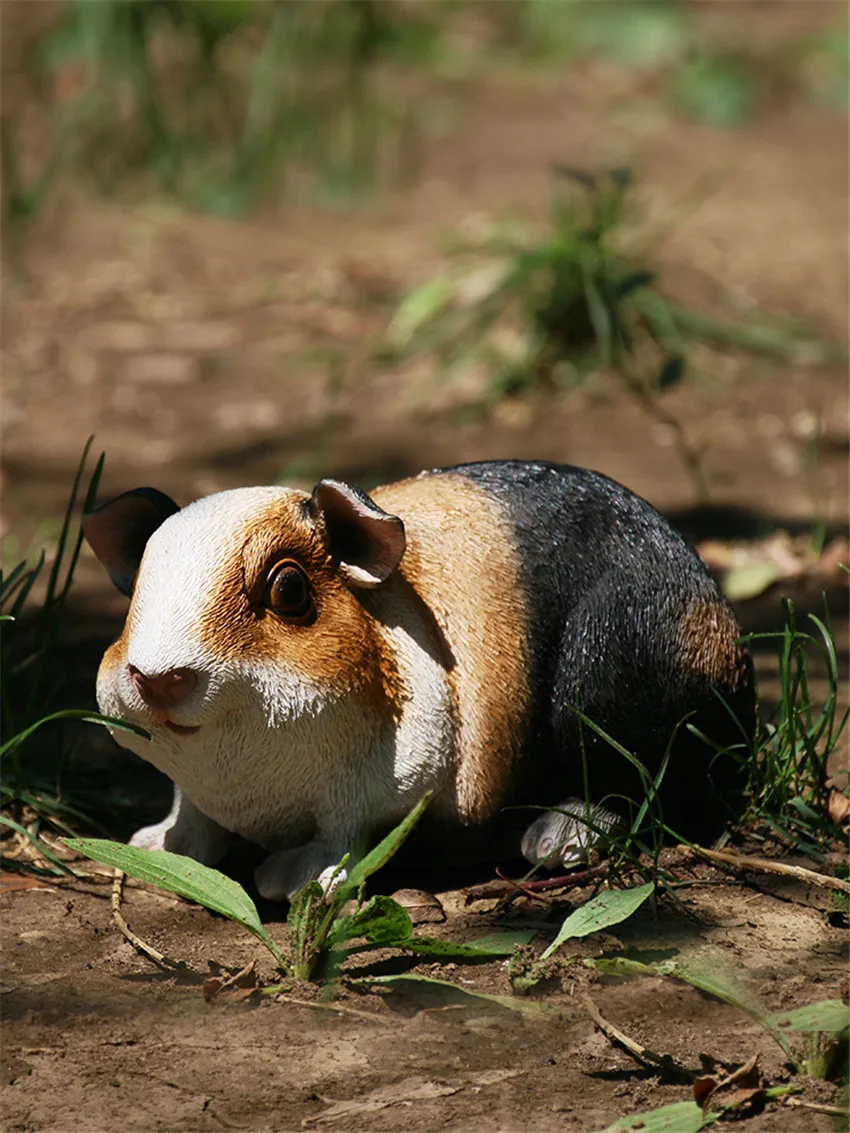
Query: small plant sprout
[321,935]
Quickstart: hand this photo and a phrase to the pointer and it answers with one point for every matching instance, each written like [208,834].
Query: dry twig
[834,1110]
[146,950]
[640,1053]
[765,866]
[319,1006]
[506,888]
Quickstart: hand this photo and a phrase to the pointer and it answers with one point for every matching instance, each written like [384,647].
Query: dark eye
[288,591]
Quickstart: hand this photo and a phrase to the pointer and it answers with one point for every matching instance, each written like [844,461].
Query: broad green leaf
[609,908]
[637,35]
[828,1016]
[382,922]
[717,91]
[523,1006]
[385,849]
[680,1117]
[502,944]
[183,876]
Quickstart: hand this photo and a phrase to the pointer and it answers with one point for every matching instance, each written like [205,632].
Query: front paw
[152,837]
[204,841]
[187,831]
[283,874]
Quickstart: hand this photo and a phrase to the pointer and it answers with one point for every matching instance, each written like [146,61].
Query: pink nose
[166,690]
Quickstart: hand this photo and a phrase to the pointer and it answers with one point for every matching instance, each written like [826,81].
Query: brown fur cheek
[338,649]
[707,645]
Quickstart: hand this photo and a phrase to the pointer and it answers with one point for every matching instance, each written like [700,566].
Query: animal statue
[308,665]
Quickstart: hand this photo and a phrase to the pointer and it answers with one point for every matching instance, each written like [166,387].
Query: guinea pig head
[245,615]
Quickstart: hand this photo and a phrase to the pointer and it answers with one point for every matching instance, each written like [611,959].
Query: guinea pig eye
[288,591]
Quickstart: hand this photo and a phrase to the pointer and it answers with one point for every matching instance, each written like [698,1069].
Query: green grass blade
[23,591]
[488,948]
[609,908]
[55,570]
[39,845]
[385,849]
[183,876]
[88,504]
[73,714]
[679,1117]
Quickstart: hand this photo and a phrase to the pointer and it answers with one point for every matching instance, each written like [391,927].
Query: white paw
[152,837]
[284,873]
[187,831]
[331,878]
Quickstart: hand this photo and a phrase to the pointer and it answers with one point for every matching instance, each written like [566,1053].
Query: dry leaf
[212,987]
[703,1089]
[245,978]
[747,1079]
[739,1098]
[11,882]
[422,907]
[838,807]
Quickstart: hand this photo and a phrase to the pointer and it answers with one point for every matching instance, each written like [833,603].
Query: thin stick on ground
[319,1006]
[640,1053]
[507,888]
[140,945]
[834,1110]
[764,865]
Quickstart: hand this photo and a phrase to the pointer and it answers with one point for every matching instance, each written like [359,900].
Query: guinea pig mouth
[181,729]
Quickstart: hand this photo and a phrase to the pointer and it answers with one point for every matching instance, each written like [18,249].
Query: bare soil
[97,1039]
[205,355]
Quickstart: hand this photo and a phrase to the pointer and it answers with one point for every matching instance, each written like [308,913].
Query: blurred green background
[252,241]
[256,240]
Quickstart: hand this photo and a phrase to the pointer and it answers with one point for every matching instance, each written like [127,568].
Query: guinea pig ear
[118,531]
[367,542]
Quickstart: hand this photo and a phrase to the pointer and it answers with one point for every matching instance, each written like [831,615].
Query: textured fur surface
[458,619]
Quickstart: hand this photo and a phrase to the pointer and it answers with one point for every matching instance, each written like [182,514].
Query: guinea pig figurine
[309,665]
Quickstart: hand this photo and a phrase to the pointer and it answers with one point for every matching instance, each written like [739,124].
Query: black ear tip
[162,504]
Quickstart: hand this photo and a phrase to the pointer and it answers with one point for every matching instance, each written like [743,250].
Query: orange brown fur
[706,645]
[236,623]
[461,562]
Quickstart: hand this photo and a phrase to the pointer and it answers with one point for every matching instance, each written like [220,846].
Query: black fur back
[610,583]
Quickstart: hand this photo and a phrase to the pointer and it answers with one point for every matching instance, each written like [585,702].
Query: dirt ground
[205,355]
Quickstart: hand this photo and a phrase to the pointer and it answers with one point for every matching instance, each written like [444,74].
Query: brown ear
[367,542]
[118,531]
